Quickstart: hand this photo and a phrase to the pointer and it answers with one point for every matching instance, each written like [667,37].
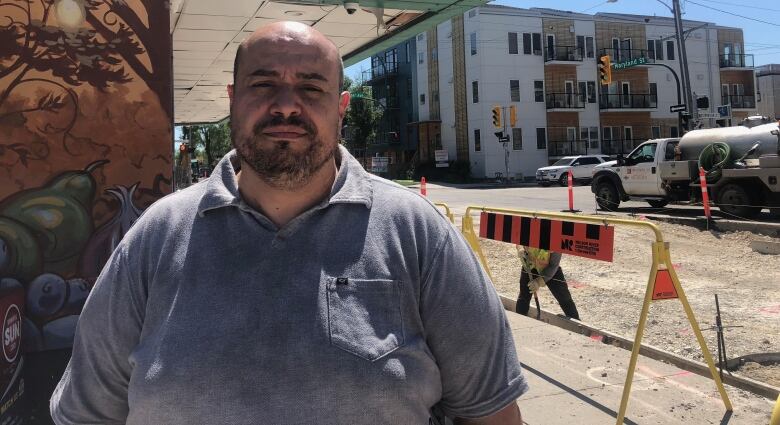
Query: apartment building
[768,103]
[544,62]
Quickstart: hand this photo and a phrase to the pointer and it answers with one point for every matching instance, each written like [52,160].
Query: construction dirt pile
[609,295]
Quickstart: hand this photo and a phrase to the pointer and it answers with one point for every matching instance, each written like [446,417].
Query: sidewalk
[577,380]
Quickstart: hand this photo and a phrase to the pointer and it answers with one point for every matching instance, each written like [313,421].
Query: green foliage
[211,142]
[362,116]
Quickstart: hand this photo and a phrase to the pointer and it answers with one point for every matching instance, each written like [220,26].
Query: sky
[762,39]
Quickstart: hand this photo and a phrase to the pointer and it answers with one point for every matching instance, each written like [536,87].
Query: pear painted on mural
[59,217]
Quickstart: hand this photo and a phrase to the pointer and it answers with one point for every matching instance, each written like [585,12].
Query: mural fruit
[59,215]
[19,253]
[46,295]
[107,237]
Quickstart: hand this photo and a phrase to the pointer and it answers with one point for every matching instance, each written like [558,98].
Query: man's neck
[282,205]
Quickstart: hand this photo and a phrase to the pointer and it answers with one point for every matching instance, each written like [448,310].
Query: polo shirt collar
[351,186]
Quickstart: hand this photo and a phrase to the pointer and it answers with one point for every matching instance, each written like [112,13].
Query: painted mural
[85,147]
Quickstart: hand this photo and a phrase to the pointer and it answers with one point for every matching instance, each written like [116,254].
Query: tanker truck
[741,165]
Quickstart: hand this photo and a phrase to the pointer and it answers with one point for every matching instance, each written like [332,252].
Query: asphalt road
[553,198]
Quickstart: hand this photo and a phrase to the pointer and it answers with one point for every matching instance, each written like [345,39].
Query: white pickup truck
[742,163]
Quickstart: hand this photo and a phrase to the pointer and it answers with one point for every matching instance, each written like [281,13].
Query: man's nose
[285,102]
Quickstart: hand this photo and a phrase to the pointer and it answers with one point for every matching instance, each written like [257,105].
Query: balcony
[736,61]
[738,101]
[391,69]
[623,102]
[564,54]
[623,146]
[558,148]
[622,55]
[565,101]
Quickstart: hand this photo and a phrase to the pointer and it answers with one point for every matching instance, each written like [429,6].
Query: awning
[206,35]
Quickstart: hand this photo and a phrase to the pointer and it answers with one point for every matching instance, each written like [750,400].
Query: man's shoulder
[171,209]
[402,197]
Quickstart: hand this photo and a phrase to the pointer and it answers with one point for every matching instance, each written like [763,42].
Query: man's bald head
[289,31]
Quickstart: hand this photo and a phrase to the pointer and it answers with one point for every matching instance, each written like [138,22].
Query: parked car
[581,166]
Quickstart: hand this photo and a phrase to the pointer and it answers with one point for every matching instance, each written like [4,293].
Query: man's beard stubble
[274,161]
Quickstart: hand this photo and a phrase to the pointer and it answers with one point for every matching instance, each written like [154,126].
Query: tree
[212,139]
[362,116]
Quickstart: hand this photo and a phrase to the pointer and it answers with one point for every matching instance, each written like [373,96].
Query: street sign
[708,115]
[442,157]
[379,164]
[504,139]
[677,108]
[629,63]
[724,111]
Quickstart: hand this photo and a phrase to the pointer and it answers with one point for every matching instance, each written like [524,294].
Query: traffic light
[497,117]
[605,70]
[512,116]
[703,102]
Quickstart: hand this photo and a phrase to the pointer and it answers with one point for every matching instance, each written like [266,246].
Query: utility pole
[506,147]
[683,60]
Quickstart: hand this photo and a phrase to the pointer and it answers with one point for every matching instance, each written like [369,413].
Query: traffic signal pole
[683,59]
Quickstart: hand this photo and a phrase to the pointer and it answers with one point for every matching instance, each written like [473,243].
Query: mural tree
[46,43]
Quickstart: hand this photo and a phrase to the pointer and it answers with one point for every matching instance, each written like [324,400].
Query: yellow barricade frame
[447,211]
[661,261]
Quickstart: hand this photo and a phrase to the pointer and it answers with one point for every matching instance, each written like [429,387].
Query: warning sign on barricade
[567,237]
[663,288]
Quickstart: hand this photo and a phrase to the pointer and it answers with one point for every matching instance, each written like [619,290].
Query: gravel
[609,295]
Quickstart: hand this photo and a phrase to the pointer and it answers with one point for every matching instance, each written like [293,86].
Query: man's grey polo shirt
[369,307]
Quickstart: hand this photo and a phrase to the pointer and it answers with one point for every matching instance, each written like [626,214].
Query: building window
[537,43]
[422,99]
[651,49]
[583,91]
[474,92]
[656,132]
[512,43]
[473,41]
[541,138]
[420,37]
[653,89]
[434,54]
[594,137]
[591,92]
[472,13]
[477,141]
[527,43]
[517,139]
[590,47]
[420,58]
[670,51]
[580,46]
[674,132]
[514,90]
[538,91]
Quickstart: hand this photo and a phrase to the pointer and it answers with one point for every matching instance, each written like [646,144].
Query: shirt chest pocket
[364,316]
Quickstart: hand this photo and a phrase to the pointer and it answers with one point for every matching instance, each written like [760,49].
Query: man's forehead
[277,52]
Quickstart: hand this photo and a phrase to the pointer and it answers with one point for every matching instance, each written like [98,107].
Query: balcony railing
[628,101]
[739,101]
[565,101]
[563,54]
[567,147]
[623,146]
[736,61]
[622,55]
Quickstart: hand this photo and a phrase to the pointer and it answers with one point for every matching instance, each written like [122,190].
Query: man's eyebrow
[311,76]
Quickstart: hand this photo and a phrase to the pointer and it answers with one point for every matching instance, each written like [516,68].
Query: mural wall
[85,146]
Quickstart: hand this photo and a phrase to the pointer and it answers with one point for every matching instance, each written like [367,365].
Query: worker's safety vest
[536,259]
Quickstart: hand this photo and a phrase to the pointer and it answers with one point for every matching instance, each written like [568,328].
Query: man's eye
[261,84]
[312,88]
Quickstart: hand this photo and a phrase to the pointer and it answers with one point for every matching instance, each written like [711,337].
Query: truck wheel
[607,196]
[734,200]
[657,203]
[564,180]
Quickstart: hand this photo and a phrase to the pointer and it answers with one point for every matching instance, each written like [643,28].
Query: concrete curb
[699,368]
[721,225]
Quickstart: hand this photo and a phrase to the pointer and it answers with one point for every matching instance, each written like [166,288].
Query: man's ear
[230,92]
[344,103]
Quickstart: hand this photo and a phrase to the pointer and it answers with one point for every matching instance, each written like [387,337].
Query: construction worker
[542,268]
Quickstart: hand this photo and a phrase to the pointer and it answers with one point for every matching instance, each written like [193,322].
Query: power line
[742,5]
[735,14]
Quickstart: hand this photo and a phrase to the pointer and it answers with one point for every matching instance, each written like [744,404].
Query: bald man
[291,286]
